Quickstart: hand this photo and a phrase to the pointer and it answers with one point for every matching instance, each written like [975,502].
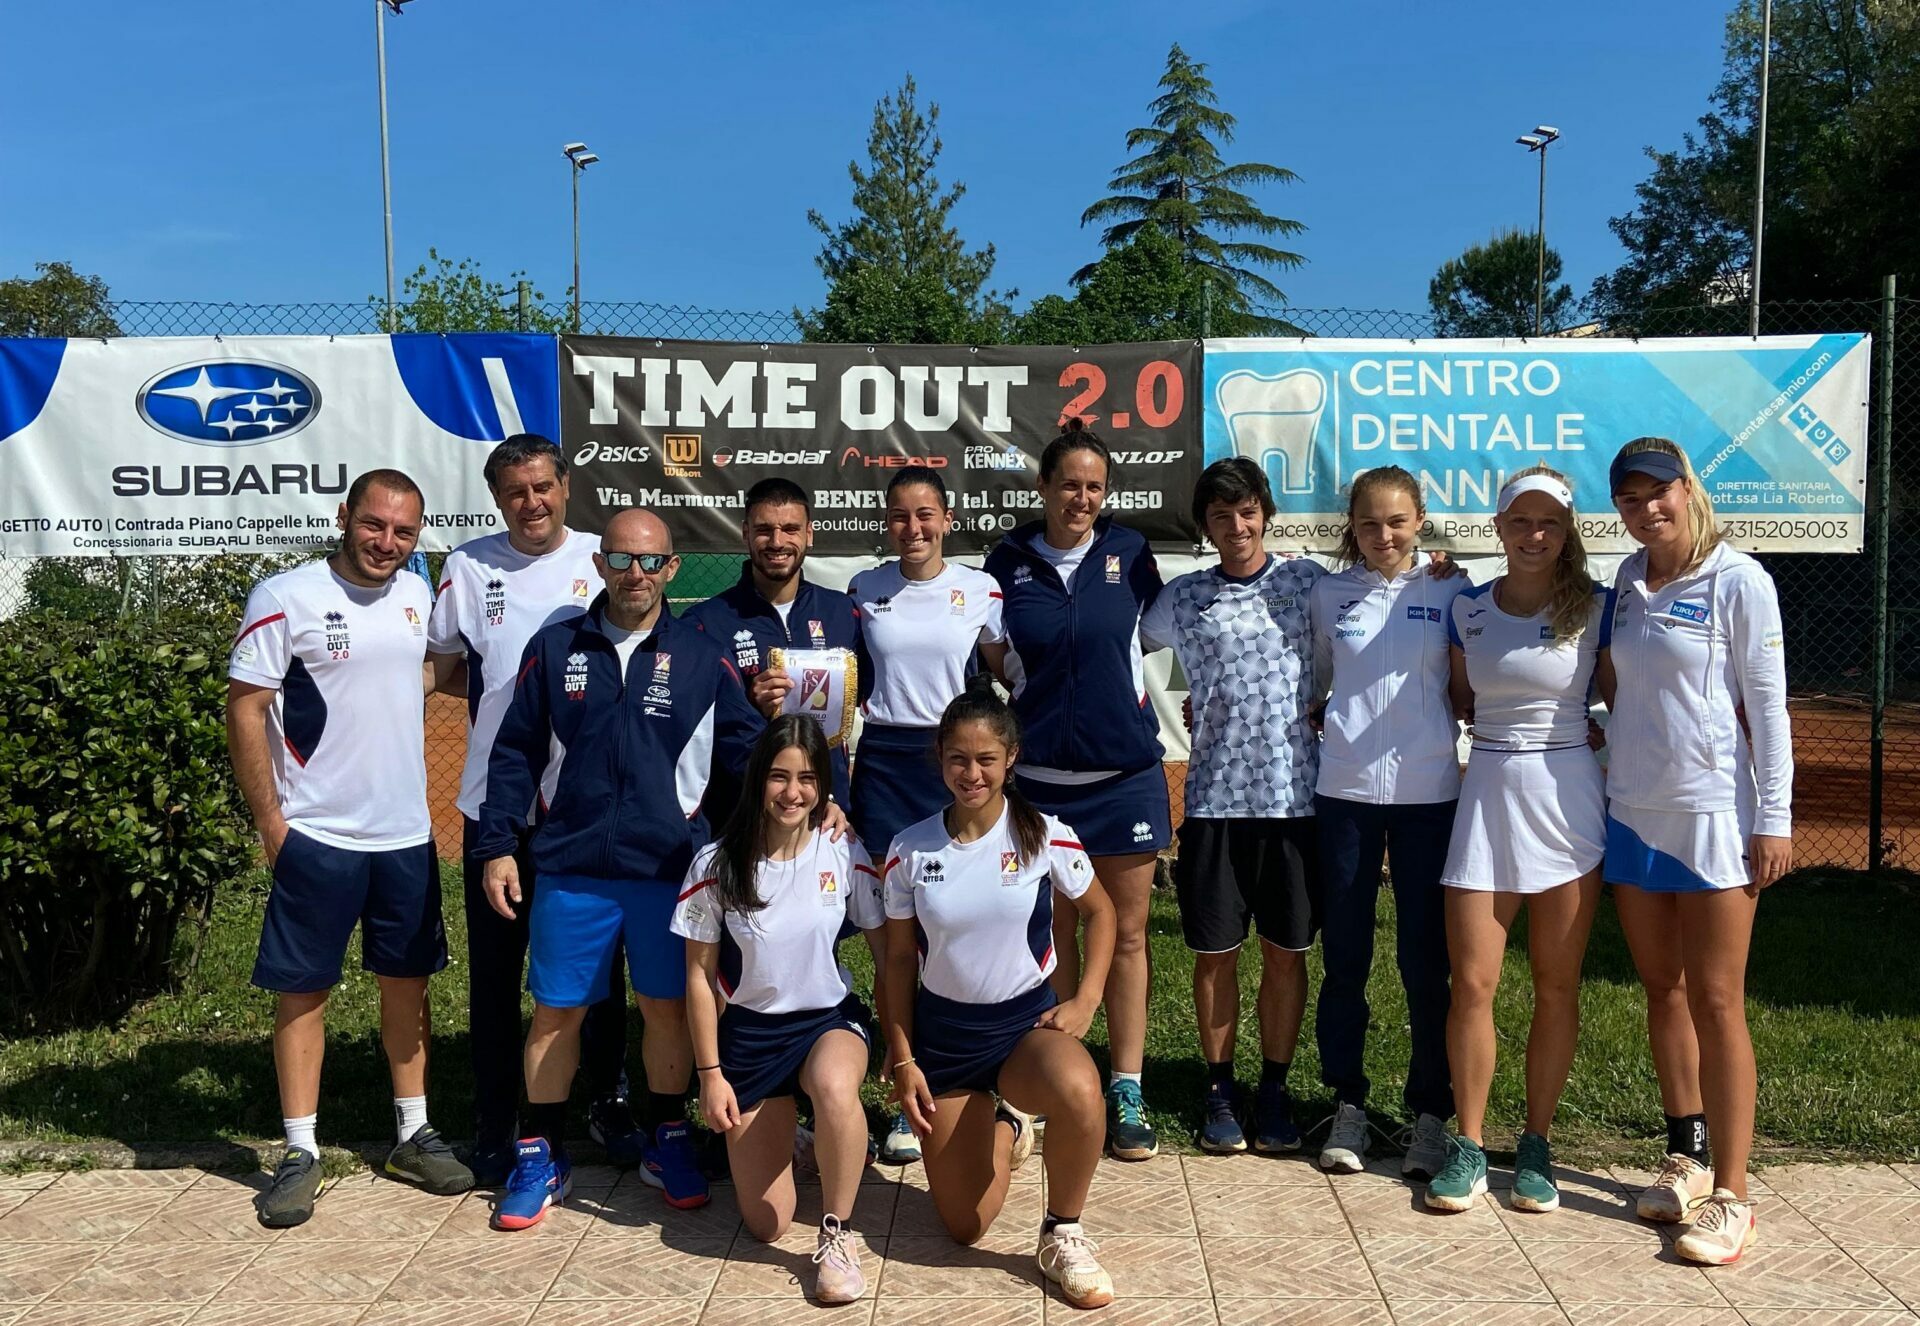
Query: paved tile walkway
[1239,1241]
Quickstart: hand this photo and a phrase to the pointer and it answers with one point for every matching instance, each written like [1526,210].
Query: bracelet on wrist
[902,1064]
[710,1068]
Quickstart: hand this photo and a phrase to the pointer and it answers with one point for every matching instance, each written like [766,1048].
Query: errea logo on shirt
[574,681]
[1142,831]
[932,872]
[495,602]
[1022,574]
[746,651]
[339,642]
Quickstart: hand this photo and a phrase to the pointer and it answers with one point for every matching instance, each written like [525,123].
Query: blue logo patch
[1546,633]
[228,402]
[1818,434]
[1689,612]
[1423,614]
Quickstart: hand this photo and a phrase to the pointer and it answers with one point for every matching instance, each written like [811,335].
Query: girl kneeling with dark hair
[761,912]
[970,891]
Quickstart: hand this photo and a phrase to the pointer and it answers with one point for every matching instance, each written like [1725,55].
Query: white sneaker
[1346,1148]
[840,1279]
[1426,1147]
[900,1146]
[1723,1229]
[1022,1133]
[1682,1181]
[1066,1258]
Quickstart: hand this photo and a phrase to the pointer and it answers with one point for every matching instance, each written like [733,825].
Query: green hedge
[118,811]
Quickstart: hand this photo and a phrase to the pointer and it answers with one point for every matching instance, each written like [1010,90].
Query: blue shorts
[1116,816]
[321,891]
[960,1046]
[762,1054]
[576,925]
[896,782]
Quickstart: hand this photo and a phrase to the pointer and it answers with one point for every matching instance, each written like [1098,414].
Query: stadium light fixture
[578,159]
[1542,137]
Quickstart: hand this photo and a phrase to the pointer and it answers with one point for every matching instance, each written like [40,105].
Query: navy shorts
[762,1053]
[960,1047]
[320,892]
[896,783]
[1114,817]
[574,932]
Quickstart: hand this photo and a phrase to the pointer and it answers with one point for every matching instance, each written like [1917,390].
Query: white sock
[1117,1076]
[300,1134]
[409,1115]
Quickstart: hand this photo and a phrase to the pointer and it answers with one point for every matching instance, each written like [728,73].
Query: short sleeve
[866,903]
[993,623]
[696,915]
[897,883]
[1156,623]
[1606,616]
[444,629]
[263,650]
[1067,859]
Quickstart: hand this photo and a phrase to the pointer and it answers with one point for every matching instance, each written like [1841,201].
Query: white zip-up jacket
[1390,735]
[1701,707]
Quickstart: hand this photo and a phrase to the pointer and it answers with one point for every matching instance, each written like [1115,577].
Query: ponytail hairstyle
[1371,481]
[1570,602]
[909,475]
[979,704]
[1074,436]
[743,843]
[1706,530]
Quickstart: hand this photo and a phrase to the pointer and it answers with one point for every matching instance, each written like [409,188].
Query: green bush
[120,814]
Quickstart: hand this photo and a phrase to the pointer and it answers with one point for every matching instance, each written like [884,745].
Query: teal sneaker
[1462,1180]
[1533,1187]
[1129,1135]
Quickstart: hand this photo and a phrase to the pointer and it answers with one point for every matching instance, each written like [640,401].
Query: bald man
[616,719]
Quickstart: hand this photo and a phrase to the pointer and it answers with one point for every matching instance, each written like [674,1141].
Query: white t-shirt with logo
[780,959]
[348,728]
[987,917]
[1529,691]
[921,635]
[493,598]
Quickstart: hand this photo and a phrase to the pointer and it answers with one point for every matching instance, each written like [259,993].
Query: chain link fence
[1852,622]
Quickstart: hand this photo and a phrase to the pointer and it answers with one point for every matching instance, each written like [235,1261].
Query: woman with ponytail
[969,1012]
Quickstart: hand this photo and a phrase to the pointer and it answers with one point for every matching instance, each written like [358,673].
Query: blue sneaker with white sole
[541,1179]
[669,1165]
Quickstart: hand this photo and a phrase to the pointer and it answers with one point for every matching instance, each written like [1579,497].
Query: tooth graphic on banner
[1275,415]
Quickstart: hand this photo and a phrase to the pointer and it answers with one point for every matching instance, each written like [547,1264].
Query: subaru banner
[151,445]
[1775,427]
[685,428]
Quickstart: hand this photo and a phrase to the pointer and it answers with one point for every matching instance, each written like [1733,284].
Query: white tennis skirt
[1528,820]
[1680,851]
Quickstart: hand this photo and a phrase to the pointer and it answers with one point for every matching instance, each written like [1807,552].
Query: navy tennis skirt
[1116,816]
[960,1046]
[896,783]
[762,1053]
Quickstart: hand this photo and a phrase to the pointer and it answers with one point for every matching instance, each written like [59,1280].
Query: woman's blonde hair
[1706,531]
[1385,477]
[1570,605]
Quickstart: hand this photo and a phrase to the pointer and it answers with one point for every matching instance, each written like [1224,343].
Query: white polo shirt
[1529,690]
[920,635]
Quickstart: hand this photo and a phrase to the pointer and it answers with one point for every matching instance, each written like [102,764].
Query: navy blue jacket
[621,763]
[1075,657]
[747,630]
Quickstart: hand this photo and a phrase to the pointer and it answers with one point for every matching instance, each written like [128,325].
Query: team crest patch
[1009,863]
[813,690]
[1689,612]
[956,601]
[659,701]
[817,633]
[1113,569]
[579,589]
[829,885]
[413,620]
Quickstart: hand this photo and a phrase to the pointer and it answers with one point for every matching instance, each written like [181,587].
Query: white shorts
[1679,851]
[1528,821]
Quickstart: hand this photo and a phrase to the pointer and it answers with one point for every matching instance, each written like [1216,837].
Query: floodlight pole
[578,159]
[1540,256]
[386,178]
[1760,165]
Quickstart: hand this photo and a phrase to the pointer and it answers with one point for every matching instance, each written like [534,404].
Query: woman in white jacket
[1699,819]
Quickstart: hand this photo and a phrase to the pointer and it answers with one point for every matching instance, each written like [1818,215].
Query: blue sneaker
[1220,1132]
[1273,1125]
[540,1180]
[669,1166]
[1129,1135]
[610,1122]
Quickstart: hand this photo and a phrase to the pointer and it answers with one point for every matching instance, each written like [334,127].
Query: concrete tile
[934,1266]
[447,1314]
[1304,1312]
[63,1215]
[1251,1168]
[1633,1179]
[1828,1317]
[1135,1209]
[891,1311]
[1911,1173]
[1613,1314]
[630,1268]
[1898,1269]
[1589,1213]
[29,1181]
[572,1219]
[206,1215]
[1135,1312]
[1800,1278]
[385,1210]
[1163,1172]
[1618,1273]
[1792,1181]
[122,1314]
[31,1271]
[504,1269]
[1154,1267]
[762,1311]
[304,1314]
[1389,1210]
[785,1269]
[636,1209]
[1288,1268]
[1407,1312]
[1864,1220]
[159,1273]
[308,1270]
[873,1207]
[1272,1211]
[1024,1209]
[10,1199]
[1427,1268]
[158,1180]
[619,1312]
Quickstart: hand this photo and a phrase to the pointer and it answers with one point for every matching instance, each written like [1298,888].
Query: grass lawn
[1834,1002]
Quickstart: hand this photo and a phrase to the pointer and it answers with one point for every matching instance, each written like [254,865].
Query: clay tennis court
[1830,746]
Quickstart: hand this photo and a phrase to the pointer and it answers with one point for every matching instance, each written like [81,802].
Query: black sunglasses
[651,563]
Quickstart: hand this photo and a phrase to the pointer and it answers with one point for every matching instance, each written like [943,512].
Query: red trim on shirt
[264,621]
[296,754]
[1067,843]
[995,594]
[445,585]
[1045,956]
[525,668]
[888,868]
[865,870]
[696,888]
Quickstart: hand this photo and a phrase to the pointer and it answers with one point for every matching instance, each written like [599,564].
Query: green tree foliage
[897,270]
[1843,169]
[58,302]
[1142,290]
[1489,289]
[443,295]
[1179,184]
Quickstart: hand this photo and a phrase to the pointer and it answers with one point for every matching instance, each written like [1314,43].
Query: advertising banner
[685,428]
[151,445]
[1776,427]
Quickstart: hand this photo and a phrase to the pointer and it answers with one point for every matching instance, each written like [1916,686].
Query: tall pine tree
[1180,185]
[898,269]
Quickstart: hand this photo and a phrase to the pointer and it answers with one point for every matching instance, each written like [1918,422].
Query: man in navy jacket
[617,717]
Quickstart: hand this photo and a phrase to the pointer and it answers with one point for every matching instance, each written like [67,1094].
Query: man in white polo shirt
[325,727]
[495,592]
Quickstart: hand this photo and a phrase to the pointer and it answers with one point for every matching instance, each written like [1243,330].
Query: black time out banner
[685,428]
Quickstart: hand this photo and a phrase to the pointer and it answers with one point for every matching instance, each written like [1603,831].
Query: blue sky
[188,151]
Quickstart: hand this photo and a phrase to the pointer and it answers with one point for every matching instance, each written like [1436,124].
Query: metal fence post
[1882,523]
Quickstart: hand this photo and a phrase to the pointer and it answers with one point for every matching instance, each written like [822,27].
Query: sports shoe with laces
[1129,1135]
[491,1162]
[1462,1181]
[1425,1147]
[900,1147]
[1220,1132]
[1533,1185]
[1346,1148]
[426,1160]
[610,1122]
[669,1166]
[1066,1257]
[1723,1229]
[1682,1181]
[840,1279]
[297,1185]
[1274,1130]
[1022,1124]
[541,1179]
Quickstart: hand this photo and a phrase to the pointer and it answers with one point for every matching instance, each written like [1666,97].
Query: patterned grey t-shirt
[1247,649]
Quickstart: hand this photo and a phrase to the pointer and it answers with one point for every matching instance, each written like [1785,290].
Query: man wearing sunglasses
[616,718]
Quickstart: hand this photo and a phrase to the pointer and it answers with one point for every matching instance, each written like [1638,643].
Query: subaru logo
[228,402]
